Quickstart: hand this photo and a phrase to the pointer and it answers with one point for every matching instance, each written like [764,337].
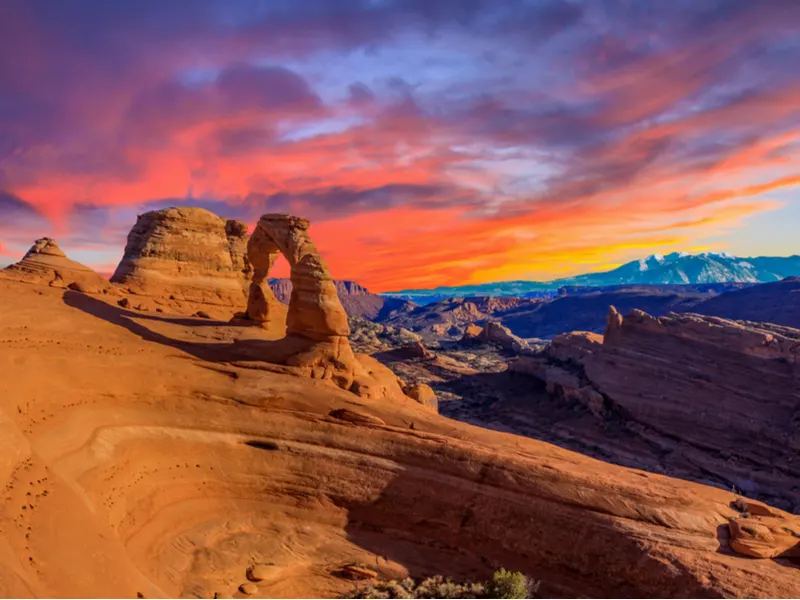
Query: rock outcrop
[449,317]
[424,394]
[722,397]
[46,264]
[179,470]
[186,256]
[495,333]
[317,328]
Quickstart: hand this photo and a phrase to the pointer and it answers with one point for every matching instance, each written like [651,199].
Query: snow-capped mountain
[679,267]
[675,268]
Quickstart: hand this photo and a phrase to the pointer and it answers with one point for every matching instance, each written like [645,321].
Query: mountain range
[656,269]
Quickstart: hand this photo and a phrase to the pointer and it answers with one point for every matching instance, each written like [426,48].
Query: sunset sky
[431,142]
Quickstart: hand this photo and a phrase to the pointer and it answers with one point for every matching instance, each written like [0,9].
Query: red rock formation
[495,333]
[179,470]
[46,264]
[424,394]
[726,392]
[449,317]
[317,329]
[186,255]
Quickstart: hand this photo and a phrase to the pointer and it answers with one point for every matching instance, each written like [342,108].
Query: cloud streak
[476,140]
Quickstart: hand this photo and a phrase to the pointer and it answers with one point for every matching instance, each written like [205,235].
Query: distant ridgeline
[678,268]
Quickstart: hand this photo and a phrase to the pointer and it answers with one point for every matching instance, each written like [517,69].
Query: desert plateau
[151,449]
[399,299]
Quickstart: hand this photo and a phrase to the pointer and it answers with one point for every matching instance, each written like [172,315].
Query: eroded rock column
[262,252]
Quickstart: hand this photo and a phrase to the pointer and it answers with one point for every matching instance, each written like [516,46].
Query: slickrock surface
[722,397]
[45,263]
[152,460]
[186,257]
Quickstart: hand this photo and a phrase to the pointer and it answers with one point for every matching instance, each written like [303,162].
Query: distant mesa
[46,264]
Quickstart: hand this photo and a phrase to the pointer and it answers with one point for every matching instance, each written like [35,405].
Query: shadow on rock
[271,351]
[468,525]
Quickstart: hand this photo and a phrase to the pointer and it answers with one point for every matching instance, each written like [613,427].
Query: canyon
[190,450]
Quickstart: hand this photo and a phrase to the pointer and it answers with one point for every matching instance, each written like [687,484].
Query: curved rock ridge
[45,263]
[721,397]
[317,330]
[181,473]
[186,255]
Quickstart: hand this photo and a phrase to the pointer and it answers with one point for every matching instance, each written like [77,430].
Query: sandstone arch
[316,343]
[315,311]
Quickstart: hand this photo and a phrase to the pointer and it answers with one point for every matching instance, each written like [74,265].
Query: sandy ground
[140,455]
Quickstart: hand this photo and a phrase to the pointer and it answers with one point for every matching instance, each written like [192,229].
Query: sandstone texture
[186,257]
[722,397]
[316,333]
[422,393]
[152,459]
[46,264]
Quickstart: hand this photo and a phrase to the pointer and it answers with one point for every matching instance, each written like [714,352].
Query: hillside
[180,467]
[675,268]
[777,302]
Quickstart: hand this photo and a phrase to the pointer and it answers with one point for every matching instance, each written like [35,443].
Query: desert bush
[510,584]
[504,584]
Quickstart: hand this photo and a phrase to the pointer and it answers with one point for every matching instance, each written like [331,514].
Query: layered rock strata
[46,264]
[723,395]
[186,255]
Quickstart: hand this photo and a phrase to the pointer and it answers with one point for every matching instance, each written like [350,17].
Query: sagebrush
[503,584]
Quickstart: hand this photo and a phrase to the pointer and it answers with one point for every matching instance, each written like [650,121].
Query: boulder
[494,333]
[472,331]
[262,572]
[248,588]
[415,350]
[46,264]
[766,536]
[424,394]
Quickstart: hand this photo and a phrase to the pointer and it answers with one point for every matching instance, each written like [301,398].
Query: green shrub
[504,584]
[509,584]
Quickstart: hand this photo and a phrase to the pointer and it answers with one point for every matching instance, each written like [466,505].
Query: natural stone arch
[315,311]
[316,342]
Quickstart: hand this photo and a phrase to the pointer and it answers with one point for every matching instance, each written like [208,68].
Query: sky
[430,142]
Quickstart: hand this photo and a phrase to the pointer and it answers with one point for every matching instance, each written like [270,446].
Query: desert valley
[193,428]
[399,299]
